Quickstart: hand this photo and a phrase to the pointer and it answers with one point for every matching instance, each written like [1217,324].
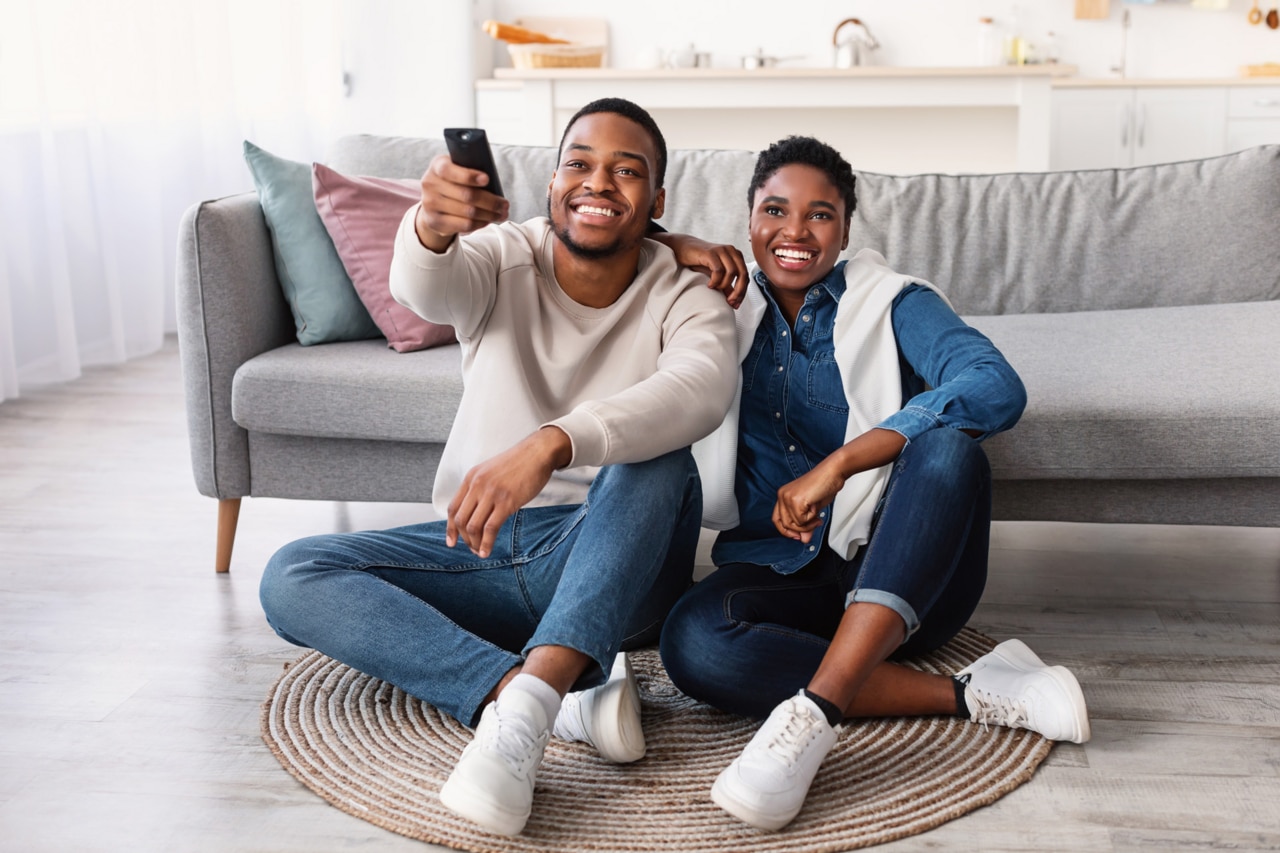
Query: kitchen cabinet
[1253,117]
[1112,126]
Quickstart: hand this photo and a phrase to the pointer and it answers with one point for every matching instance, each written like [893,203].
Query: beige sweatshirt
[655,371]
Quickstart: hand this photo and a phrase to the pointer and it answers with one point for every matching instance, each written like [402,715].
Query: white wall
[410,64]
[1166,39]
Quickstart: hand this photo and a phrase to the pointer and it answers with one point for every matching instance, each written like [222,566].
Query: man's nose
[599,180]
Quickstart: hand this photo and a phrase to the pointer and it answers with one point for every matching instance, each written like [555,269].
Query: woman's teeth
[793,254]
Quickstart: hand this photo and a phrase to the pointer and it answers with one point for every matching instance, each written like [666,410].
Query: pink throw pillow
[362,215]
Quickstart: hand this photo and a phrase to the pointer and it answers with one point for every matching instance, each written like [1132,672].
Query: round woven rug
[377,753]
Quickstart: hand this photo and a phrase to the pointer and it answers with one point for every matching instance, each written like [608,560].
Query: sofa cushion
[356,389]
[324,303]
[362,216]
[1190,233]
[1155,393]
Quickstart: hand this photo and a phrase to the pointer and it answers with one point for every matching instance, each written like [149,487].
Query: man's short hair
[806,151]
[626,109]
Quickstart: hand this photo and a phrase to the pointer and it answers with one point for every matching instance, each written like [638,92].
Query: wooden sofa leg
[228,515]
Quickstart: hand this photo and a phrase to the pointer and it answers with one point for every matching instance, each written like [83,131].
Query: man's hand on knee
[493,490]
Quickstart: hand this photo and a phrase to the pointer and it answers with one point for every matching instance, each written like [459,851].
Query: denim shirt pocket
[826,391]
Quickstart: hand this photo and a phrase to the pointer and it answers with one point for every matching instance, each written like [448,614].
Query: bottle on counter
[1049,53]
[1015,46]
[989,42]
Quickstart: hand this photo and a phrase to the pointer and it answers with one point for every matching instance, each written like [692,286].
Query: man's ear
[659,204]
[844,242]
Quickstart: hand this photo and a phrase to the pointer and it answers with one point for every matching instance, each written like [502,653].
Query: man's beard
[577,249]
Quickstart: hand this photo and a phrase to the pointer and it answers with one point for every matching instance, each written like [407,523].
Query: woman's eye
[773,210]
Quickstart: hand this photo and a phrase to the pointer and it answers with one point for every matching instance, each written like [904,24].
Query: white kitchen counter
[943,119]
[1159,82]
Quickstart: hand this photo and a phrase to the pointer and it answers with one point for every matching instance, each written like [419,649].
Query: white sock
[546,695]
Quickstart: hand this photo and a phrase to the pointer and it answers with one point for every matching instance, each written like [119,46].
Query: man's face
[603,192]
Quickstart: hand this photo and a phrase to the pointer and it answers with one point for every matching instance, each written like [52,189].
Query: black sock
[829,710]
[962,706]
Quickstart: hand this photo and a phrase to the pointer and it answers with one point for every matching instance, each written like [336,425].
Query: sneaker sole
[477,806]
[722,795]
[618,702]
[1021,657]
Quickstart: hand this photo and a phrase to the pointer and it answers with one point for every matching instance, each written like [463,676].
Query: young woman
[862,500]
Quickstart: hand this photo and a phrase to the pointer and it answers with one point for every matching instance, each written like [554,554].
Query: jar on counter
[989,42]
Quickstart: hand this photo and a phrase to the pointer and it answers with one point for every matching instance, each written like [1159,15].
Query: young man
[571,502]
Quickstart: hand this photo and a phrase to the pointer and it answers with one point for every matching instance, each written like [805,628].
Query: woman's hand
[799,502]
[722,263]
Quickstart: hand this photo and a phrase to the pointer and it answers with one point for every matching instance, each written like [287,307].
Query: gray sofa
[1141,307]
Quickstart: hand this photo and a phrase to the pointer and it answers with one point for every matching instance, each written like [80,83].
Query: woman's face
[798,227]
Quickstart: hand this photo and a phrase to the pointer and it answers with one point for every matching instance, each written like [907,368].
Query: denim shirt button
[777,414]
[791,448]
[813,547]
[805,318]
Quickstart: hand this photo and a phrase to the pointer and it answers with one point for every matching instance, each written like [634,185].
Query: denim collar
[832,284]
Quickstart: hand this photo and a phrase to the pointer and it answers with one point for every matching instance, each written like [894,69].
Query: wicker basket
[556,55]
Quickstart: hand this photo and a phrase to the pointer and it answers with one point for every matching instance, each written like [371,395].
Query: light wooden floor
[131,676]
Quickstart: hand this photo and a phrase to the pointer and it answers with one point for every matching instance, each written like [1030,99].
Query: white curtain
[114,118]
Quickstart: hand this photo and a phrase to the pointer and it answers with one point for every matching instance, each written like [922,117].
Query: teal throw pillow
[320,294]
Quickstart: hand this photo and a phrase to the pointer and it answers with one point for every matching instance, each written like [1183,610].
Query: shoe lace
[789,740]
[994,709]
[569,724]
[515,740]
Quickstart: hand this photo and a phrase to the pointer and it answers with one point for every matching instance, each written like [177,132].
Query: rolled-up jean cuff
[886,599]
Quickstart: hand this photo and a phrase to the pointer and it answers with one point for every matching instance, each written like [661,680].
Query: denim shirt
[794,412]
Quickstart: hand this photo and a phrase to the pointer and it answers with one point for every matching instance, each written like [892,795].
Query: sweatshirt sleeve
[972,386]
[456,287]
[686,397]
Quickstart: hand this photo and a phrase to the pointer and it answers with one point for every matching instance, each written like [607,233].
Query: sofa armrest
[230,308]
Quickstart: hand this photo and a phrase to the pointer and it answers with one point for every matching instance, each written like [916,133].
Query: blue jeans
[445,626]
[746,638]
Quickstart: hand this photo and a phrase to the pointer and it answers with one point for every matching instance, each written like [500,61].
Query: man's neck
[594,282]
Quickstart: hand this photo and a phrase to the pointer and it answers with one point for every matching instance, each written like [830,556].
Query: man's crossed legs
[563,591]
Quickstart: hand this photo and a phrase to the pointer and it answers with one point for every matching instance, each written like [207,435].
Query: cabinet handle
[1266,102]
[1142,126]
[1124,126]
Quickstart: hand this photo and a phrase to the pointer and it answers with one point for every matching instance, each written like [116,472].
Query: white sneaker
[766,785]
[1010,686]
[607,717]
[492,784]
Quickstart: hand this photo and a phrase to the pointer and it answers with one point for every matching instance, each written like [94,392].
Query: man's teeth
[793,254]
[598,211]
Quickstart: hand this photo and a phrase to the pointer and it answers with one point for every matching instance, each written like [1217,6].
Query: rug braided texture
[378,754]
